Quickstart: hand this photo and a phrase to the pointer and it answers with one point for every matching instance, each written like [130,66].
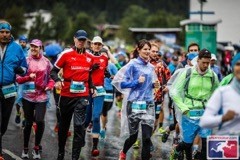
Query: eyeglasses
[193,50]
[237,64]
[97,44]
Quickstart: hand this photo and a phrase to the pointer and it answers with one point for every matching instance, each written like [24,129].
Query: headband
[4,25]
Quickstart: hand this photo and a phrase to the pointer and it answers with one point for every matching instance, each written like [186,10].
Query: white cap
[229,48]
[97,39]
[213,57]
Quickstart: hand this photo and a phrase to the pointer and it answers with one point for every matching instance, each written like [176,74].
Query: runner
[109,97]
[141,80]
[215,68]
[94,109]
[23,42]
[35,86]
[223,109]
[13,62]
[190,96]
[76,63]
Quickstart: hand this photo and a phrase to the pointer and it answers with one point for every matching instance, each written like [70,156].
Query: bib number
[139,107]
[108,97]
[9,91]
[100,91]
[158,109]
[29,87]
[77,87]
[196,113]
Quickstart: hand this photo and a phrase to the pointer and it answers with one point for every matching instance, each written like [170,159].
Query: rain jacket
[41,66]
[200,87]
[13,58]
[226,80]
[144,91]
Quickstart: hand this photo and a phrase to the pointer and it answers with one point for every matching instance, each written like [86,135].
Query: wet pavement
[109,148]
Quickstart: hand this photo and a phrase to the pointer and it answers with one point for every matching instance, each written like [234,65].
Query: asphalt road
[109,148]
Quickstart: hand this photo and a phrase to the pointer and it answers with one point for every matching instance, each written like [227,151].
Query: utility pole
[201,8]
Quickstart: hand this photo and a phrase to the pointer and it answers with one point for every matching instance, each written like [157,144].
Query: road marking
[12,154]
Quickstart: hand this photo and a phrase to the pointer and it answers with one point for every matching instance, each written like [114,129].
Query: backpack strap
[188,76]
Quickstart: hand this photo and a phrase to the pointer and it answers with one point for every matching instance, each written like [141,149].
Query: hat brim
[81,37]
[35,44]
[97,42]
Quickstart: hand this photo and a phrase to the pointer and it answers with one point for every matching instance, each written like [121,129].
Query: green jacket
[226,80]
[199,88]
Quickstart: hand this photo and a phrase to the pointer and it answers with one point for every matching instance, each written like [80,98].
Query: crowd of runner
[87,79]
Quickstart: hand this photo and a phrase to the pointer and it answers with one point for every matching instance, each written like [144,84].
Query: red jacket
[41,66]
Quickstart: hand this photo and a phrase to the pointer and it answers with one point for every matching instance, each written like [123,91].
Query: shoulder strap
[188,75]
[212,78]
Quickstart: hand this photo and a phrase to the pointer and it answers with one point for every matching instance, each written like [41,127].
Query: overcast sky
[228,11]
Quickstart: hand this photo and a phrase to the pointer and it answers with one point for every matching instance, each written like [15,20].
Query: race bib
[196,113]
[9,91]
[139,107]
[158,109]
[77,87]
[108,97]
[100,91]
[29,87]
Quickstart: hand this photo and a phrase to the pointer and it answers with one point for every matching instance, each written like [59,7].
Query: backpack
[188,76]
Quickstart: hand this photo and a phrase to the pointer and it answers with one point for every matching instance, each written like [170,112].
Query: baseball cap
[97,39]
[213,57]
[81,34]
[36,42]
[23,38]
[175,58]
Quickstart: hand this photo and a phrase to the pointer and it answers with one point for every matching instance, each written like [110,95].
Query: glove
[18,70]
[95,66]
[107,74]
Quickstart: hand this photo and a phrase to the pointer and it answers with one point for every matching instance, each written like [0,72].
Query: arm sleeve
[177,91]
[128,82]
[23,62]
[21,80]
[54,74]
[211,118]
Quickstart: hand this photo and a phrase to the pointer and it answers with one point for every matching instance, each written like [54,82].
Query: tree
[81,21]
[60,22]
[15,16]
[40,29]
[134,16]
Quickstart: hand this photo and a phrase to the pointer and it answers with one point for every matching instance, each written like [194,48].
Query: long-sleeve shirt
[41,66]
[200,87]
[139,91]
[217,70]
[224,98]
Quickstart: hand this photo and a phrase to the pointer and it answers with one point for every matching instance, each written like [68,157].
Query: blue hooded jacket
[13,58]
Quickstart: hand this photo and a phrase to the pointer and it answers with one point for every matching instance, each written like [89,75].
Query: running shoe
[136,145]
[69,134]
[18,118]
[95,152]
[165,137]
[103,134]
[174,154]
[34,126]
[23,123]
[36,153]
[161,130]
[122,156]
[196,155]
[56,128]
[176,140]
[89,128]
[25,154]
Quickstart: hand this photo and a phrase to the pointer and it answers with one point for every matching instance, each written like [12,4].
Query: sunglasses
[97,44]
[193,50]
[237,64]
[81,39]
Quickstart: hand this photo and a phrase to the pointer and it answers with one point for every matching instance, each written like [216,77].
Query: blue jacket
[107,81]
[13,58]
[139,91]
